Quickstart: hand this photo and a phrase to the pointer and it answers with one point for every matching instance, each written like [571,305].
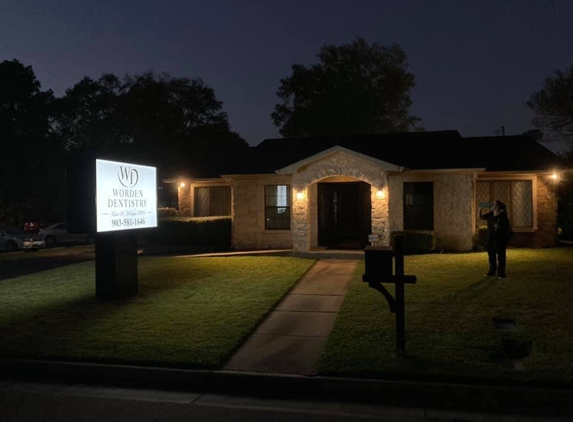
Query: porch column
[184,199]
[379,197]
[300,218]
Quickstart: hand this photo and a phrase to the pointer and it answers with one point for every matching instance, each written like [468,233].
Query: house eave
[458,170]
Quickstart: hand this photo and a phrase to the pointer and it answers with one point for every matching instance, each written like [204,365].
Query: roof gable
[337,149]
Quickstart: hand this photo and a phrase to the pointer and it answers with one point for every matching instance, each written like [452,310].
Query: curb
[423,394]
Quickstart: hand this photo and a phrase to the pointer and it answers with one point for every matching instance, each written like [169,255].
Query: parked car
[12,239]
[35,226]
[57,234]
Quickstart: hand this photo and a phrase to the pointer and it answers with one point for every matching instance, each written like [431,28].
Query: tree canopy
[354,88]
[553,105]
[149,115]
[171,122]
[29,149]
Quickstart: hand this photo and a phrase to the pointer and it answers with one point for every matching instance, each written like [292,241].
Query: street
[17,264]
[32,401]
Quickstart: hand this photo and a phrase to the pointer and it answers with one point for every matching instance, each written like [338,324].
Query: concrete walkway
[291,339]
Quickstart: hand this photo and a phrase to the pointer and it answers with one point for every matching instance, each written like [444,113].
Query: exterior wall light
[300,195]
[380,194]
[555,176]
[182,184]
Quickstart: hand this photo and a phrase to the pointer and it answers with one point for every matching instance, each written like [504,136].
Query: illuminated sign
[126,196]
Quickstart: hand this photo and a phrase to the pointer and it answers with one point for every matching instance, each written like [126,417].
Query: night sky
[475,62]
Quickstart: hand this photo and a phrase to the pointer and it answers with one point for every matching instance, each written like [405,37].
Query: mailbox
[378,262]
[379,268]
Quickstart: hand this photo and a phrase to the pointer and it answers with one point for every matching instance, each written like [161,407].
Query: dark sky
[475,62]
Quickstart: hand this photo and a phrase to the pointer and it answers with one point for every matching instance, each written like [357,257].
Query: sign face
[126,196]
[373,238]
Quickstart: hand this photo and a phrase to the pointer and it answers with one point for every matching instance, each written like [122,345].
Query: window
[517,194]
[212,201]
[419,206]
[277,207]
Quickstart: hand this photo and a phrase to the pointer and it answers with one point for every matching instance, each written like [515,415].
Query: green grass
[189,312]
[450,333]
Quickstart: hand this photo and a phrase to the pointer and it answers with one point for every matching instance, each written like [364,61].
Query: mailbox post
[378,270]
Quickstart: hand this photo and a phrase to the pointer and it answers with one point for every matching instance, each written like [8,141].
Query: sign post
[126,200]
[116,199]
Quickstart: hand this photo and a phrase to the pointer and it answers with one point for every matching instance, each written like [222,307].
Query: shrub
[166,212]
[417,241]
[208,232]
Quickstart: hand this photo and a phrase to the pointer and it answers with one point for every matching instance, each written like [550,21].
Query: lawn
[450,329]
[189,312]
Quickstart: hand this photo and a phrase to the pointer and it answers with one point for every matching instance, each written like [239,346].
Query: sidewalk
[291,339]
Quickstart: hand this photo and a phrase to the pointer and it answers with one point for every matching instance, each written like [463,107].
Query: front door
[344,215]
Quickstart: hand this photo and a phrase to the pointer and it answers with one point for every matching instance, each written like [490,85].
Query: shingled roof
[413,151]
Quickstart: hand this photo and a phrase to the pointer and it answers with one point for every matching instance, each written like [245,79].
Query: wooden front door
[344,215]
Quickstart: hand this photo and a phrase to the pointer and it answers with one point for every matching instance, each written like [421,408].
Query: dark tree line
[168,121]
[177,123]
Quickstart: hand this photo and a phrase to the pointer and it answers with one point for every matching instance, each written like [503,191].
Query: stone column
[380,213]
[300,218]
[184,199]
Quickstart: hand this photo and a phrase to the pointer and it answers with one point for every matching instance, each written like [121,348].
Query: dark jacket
[498,227]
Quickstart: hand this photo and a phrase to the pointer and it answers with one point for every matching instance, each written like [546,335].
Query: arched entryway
[355,178]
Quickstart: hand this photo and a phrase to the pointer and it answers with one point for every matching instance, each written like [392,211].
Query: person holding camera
[499,233]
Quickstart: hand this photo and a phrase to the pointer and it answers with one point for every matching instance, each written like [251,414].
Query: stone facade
[248,210]
[453,206]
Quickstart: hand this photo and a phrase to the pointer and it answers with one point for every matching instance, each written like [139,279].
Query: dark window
[277,207]
[419,206]
[212,201]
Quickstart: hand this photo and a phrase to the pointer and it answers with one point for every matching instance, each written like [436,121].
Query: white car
[57,234]
[12,239]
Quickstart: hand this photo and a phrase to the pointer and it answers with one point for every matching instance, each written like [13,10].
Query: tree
[553,105]
[355,88]
[156,117]
[88,116]
[31,165]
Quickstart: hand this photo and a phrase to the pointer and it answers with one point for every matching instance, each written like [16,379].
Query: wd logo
[128,176]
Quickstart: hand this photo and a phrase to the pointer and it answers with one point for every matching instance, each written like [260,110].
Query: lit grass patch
[450,311]
[189,312]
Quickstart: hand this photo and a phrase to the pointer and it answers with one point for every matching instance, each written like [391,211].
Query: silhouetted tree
[31,166]
[148,117]
[355,88]
[553,105]
[89,115]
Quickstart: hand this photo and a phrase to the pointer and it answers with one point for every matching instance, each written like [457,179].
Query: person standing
[498,234]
